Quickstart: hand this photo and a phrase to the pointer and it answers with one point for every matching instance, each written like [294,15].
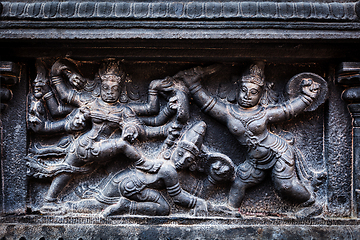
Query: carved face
[77,80]
[39,84]
[110,90]
[219,171]
[249,94]
[182,158]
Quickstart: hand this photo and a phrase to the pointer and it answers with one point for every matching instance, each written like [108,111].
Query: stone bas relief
[102,145]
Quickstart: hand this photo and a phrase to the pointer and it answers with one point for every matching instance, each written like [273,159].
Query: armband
[288,110]
[48,95]
[70,96]
[153,92]
[56,80]
[209,105]
[195,88]
[139,162]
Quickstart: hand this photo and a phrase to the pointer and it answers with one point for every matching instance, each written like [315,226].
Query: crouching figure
[136,191]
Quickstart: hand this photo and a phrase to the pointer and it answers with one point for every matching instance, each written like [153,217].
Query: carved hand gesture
[173,103]
[309,87]
[130,133]
[35,123]
[161,84]
[78,121]
[46,87]
[190,76]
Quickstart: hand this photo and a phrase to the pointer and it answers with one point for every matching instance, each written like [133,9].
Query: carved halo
[293,89]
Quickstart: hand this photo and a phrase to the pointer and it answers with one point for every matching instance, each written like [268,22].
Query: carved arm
[56,109]
[290,109]
[203,99]
[152,106]
[66,94]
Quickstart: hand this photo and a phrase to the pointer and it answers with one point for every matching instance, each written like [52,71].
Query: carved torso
[250,129]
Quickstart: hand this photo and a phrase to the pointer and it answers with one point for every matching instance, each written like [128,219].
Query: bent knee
[294,191]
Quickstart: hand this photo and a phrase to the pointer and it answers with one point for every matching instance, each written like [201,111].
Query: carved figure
[81,90]
[247,121]
[38,121]
[114,125]
[139,186]
[135,191]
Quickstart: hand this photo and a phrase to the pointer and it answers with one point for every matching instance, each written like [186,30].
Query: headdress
[193,138]
[255,74]
[112,68]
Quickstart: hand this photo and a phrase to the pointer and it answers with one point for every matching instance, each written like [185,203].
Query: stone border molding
[209,10]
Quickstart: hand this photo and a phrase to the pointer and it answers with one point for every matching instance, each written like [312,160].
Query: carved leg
[57,185]
[120,208]
[237,192]
[60,181]
[287,183]
[103,150]
[247,176]
[84,206]
[147,202]
[150,202]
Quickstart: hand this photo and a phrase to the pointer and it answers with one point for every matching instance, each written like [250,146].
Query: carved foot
[120,208]
[309,202]
[224,211]
[312,211]
[52,208]
[83,206]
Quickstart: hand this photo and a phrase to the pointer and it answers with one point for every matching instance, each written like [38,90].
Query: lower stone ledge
[179,227]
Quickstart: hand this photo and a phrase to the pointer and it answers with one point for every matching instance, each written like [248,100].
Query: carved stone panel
[111,138]
[173,120]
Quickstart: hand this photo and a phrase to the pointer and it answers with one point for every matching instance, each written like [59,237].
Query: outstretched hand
[309,87]
[78,121]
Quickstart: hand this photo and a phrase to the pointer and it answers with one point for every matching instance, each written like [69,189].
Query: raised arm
[67,94]
[202,98]
[291,108]
[56,109]
[152,106]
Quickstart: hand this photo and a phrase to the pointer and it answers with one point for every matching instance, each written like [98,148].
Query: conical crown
[255,74]
[193,138]
[111,68]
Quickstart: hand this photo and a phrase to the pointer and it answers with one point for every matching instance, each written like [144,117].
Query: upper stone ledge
[205,10]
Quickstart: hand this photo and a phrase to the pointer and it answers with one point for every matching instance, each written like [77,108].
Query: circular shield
[293,89]
[220,167]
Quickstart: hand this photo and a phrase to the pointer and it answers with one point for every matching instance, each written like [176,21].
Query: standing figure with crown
[248,121]
[113,127]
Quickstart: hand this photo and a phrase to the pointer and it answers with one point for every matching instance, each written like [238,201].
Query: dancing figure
[248,121]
